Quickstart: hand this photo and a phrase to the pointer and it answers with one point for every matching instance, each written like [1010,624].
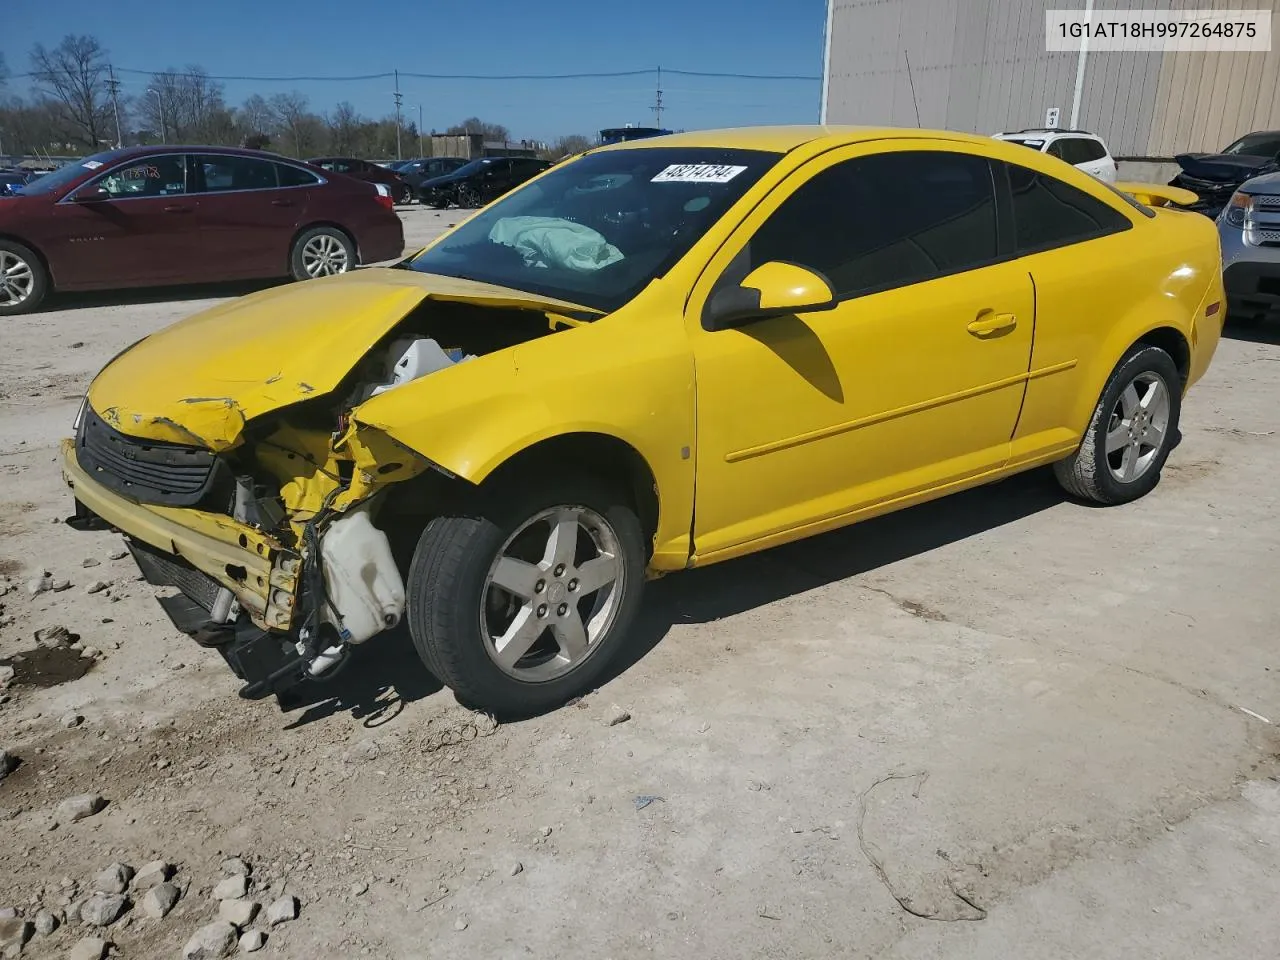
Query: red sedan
[148,216]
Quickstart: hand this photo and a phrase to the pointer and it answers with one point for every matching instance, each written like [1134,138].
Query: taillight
[384,196]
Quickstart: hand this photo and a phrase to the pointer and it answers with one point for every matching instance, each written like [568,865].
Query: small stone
[14,932]
[90,562]
[55,636]
[282,910]
[6,674]
[97,586]
[79,807]
[70,720]
[235,867]
[359,888]
[620,717]
[517,868]
[546,831]
[238,912]
[90,948]
[90,653]
[159,900]
[151,874]
[459,924]
[211,942]
[8,763]
[252,940]
[45,922]
[362,752]
[114,879]
[162,763]
[59,585]
[38,585]
[117,554]
[231,888]
[103,909]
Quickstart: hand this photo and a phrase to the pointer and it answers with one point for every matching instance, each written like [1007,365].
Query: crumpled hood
[202,379]
[1224,167]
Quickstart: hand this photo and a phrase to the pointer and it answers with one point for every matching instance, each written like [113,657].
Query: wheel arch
[34,248]
[333,224]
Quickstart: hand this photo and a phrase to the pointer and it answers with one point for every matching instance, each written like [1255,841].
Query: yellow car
[653,357]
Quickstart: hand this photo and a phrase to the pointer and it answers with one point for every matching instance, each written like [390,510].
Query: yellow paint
[785,427]
[785,286]
[1156,195]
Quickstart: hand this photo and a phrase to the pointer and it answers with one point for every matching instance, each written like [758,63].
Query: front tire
[524,602]
[24,282]
[1132,430]
[321,252]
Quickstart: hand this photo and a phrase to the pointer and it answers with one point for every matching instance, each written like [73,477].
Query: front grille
[148,471]
[1266,200]
[1266,236]
[164,570]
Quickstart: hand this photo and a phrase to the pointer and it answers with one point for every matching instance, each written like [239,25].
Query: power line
[461,76]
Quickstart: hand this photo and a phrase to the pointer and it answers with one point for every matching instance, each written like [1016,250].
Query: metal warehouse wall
[981,66]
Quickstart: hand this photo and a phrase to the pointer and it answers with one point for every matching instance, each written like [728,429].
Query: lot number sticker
[697,173]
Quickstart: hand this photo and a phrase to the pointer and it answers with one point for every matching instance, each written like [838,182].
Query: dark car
[417,172]
[1214,177]
[149,216]
[480,181]
[11,181]
[401,192]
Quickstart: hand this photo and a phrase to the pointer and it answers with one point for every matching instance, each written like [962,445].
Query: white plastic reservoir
[360,577]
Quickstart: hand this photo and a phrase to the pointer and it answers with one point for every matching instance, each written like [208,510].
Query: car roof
[125,153]
[783,139]
[1049,132]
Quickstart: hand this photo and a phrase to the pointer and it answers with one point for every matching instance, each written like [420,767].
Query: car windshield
[52,182]
[1256,145]
[597,230]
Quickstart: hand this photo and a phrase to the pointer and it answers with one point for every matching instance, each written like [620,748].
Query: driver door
[912,383]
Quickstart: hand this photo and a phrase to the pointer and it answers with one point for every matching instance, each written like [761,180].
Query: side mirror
[773,289]
[93,194]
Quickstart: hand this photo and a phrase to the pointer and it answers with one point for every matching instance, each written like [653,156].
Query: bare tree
[188,106]
[569,145]
[491,131]
[345,129]
[73,76]
[298,127]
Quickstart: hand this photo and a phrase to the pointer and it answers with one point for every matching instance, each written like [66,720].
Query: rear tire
[531,648]
[321,252]
[1132,430]
[24,282]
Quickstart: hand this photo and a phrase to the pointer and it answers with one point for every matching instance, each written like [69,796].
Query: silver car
[1249,226]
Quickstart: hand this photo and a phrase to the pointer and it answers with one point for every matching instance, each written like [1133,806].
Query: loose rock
[231,888]
[235,867]
[620,717]
[103,909]
[6,674]
[362,752]
[211,942]
[38,585]
[238,912]
[359,888]
[517,868]
[90,948]
[159,900]
[90,653]
[55,636]
[151,874]
[79,807]
[59,585]
[14,932]
[114,879]
[8,763]
[97,586]
[70,720]
[459,924]
[90,562]
[251,941]
[45,922]
[117,554]
[282,910]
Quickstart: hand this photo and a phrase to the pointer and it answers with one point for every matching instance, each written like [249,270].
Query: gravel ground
[1003,724]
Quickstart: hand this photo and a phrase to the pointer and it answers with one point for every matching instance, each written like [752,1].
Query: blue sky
[325,37]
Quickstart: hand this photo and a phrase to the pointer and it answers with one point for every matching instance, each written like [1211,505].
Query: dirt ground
[1000,725]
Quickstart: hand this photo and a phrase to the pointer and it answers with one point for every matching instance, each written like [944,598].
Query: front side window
[1048,213]
[1256,145]
[884,221]
[224,173]
[163,176]
[599,229]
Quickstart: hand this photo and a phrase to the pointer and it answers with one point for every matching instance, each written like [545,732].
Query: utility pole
[420,153]
[657,102]
[164,130]
[114,86]
[399,99]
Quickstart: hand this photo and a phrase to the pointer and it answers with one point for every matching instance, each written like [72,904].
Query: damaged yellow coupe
[655,356]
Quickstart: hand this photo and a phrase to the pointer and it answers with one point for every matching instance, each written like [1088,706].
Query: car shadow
[1252,331]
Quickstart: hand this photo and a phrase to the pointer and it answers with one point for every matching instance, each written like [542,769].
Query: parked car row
[480,181]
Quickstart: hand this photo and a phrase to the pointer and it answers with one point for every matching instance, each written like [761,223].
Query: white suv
[1076,147]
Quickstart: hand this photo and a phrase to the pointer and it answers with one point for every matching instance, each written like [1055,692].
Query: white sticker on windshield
[697,173]
[91,164]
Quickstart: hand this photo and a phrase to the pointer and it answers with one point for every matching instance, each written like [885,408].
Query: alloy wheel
[552,594]
[17,279]
[324,255]
[1137,427]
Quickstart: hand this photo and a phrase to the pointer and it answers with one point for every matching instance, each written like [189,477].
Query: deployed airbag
[554,242]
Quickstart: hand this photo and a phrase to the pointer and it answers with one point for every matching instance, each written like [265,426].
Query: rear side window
[290,176]
[1076,150]
[223,173]
[1048,213]
[162,176]
[885,221]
